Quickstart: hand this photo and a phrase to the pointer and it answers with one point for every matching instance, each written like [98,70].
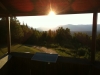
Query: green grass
[67,52]
[1,54]
[64,52]
[18,48]
[61,51]
[23,48]
[97,56]
[3,51]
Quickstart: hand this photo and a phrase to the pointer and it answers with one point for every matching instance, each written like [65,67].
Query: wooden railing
[21,64]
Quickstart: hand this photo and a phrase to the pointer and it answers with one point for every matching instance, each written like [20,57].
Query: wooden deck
[21,64]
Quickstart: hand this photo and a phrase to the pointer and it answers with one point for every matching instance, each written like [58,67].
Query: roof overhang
[42,7]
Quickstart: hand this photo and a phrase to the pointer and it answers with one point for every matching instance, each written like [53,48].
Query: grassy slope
[62,53]
[23,48]
[18,48]
[71,53]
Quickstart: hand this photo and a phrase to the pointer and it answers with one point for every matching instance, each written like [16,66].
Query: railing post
[9,34]
[94,32]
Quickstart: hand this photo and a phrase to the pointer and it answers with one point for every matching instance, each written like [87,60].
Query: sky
[57,20]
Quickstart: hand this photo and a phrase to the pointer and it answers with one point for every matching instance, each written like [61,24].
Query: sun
[52,13]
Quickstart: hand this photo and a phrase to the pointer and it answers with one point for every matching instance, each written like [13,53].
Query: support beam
[9,34]
[94,32]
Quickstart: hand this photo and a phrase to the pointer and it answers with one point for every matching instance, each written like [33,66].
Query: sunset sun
[52,13]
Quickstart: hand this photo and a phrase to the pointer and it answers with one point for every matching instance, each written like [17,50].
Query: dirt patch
[46,50]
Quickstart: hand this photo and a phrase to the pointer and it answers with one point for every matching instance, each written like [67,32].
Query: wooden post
[94,31]
[9,34]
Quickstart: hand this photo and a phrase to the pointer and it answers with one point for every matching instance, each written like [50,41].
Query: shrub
[82,51]
[54,45]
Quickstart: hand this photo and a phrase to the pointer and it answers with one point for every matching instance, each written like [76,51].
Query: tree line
[23,34]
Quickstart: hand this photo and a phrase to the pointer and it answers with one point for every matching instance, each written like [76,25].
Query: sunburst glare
[52,13]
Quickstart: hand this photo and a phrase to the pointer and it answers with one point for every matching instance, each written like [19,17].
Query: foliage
[98,55]
[54,45]
[98,42]
[81,51]
[61,40]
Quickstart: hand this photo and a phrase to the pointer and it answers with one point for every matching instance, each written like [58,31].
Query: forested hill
[87,27]
[22,33]
[82,28]
[76,28]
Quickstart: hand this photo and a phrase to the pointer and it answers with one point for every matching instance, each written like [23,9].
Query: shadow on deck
[21,64]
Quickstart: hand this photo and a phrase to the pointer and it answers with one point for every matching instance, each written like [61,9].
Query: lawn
[18,48]
[27,48]
[73,53]
[64,52]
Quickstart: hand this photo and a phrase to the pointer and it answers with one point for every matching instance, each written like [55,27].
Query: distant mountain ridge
[72,27]
[44,29]
[80,27]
